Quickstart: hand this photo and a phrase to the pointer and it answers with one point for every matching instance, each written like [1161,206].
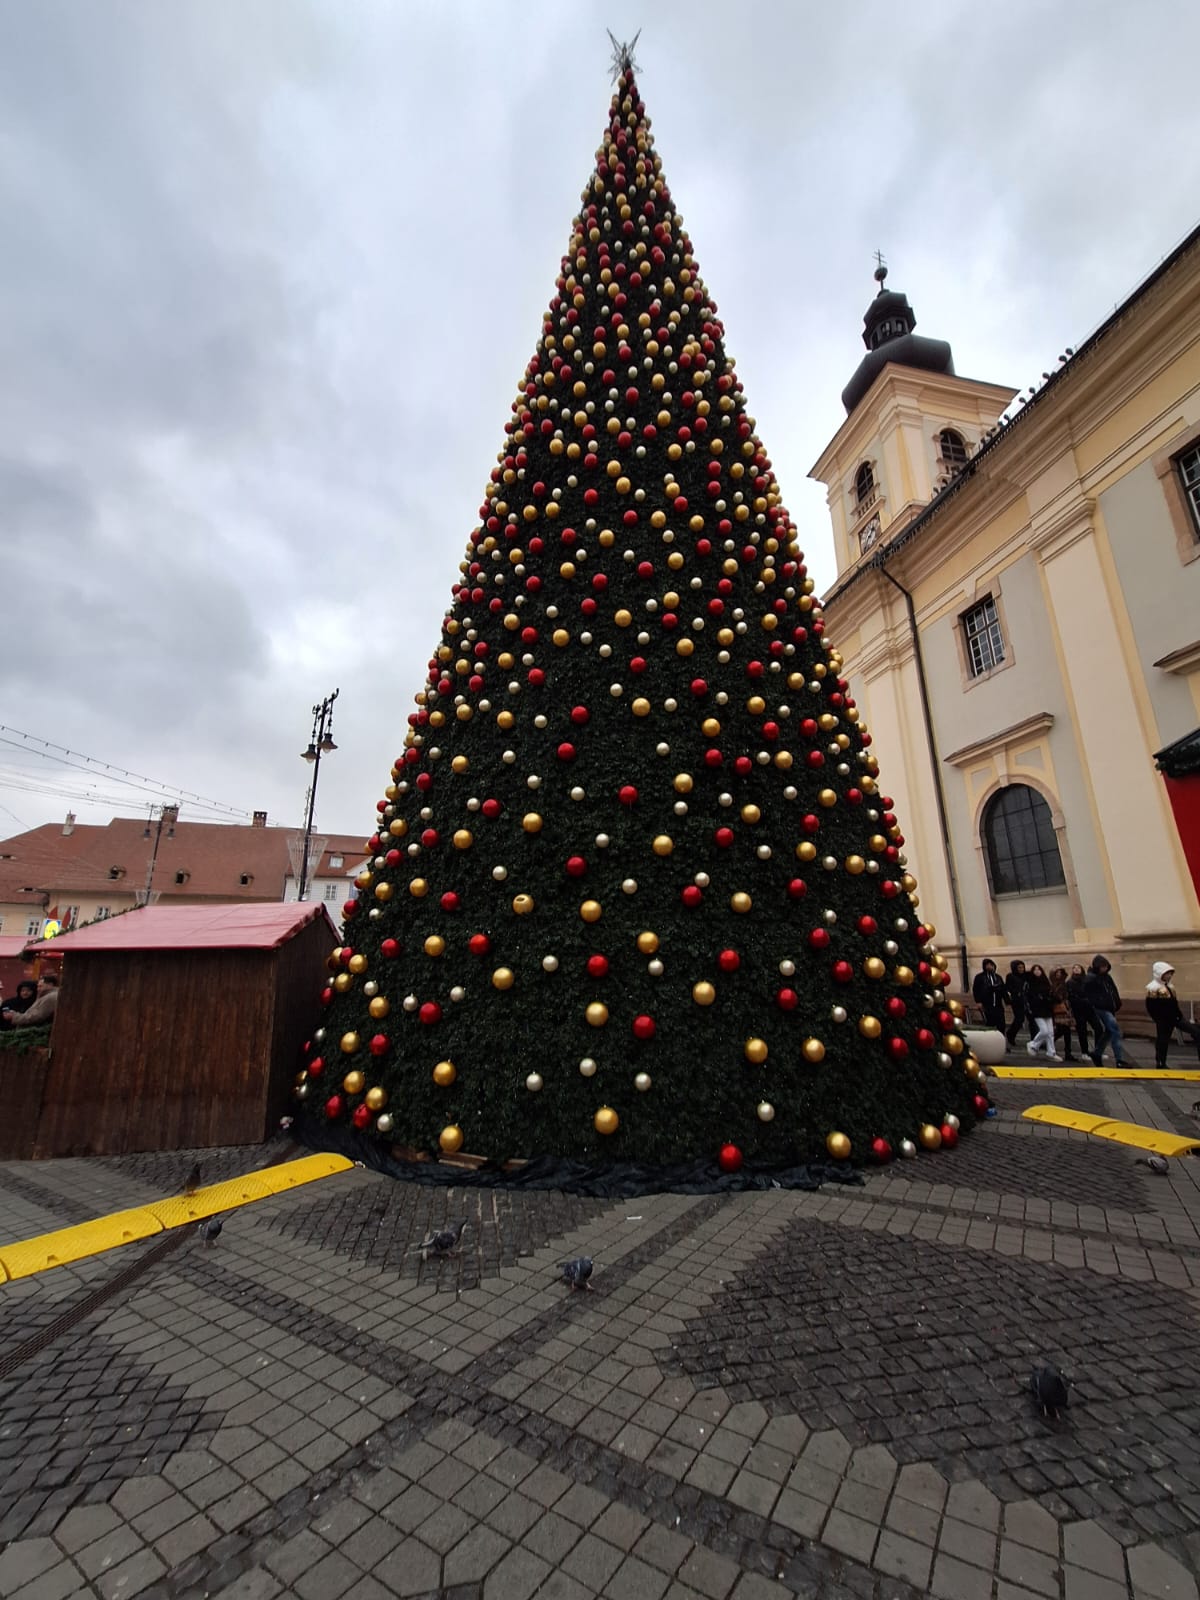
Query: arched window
[1018,835]
[864,486]
[952,449]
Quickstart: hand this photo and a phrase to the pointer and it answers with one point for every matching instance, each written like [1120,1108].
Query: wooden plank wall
[298,984]
[22,1080]
[159,1050]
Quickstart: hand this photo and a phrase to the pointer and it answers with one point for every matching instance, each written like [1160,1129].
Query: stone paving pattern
[765,1395]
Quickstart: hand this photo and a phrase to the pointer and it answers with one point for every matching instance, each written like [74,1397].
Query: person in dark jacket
[1062,1011]
[1162,1005]
[987,991]
[1014,992]
[1039,1005]
[20,1003]
[1102,995]
[1085,1017]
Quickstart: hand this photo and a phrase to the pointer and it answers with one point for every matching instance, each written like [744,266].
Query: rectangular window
[332,890]
[335,861]
[985,643]
[103,913]
[1188,467]
[33,927]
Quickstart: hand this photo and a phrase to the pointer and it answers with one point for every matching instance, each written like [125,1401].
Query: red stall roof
[11,944]
[254,926]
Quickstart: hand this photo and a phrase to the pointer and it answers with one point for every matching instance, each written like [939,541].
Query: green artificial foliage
[20,1041]
[633,615]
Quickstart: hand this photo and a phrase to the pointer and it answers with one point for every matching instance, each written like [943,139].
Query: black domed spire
[888,335]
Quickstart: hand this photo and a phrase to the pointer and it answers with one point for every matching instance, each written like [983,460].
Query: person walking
[1102,995]
[1014,993]
[1085,1017]
[1062,1011]
[1162,1005]
[987,991]
[1039,1004]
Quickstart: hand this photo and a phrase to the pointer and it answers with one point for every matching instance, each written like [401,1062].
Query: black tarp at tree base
[614,1180]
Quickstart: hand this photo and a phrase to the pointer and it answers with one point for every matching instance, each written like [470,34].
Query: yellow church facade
[1018,609]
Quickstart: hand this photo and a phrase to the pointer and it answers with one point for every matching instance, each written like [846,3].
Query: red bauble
[797,889]
[576,866]
[980,1103]
[729,961]
[379,1044]
[723,838]
[580,715]
[787,999]
[598,966]
[925,1039]
[450,901]
[429,838]
[326,997]
[362,1116]
[897,1048]
[691,896]
[430,1013]
[627,794]
[888,889]
[345,955]
[393,858]
[896,1007]
[643,1027]
[333,1107]
[729,1158]
[881,1151]
[491,808]
[479,944]
[949,1136]
[818,939]
[946,1021]
[317,1066]
[699,688]
[867,925]
[843,972]
[350,909]
[566,751]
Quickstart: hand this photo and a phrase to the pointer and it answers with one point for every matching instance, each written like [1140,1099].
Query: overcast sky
[271,270]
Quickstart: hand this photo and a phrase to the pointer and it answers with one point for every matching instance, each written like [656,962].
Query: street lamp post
[320,743]
[168,816]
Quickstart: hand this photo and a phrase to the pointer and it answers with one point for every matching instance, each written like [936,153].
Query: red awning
[255,926]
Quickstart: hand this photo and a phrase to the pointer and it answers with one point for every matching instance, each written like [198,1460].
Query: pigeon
[577,1272]
[1159,1165]
[1049,1389]
[443,1241]
[192,1182]
[210,1230]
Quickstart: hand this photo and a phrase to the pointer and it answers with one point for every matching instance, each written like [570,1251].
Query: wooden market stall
[180,1026]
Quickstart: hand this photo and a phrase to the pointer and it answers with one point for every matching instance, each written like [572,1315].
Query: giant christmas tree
[634,892]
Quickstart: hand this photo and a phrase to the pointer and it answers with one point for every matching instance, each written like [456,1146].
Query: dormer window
[335,861]
[864,487]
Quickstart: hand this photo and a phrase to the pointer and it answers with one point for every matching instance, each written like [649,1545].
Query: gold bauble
[931,930]
[903,976]
[590,911]
[561,637]
[740,902]
[350,1043]
[756,1051]
[418,888]
[663,845]
[358,964]
[877,842]
[683,783]
[342,982]
[376,1099]
[684,647]
[751,814]
[806,850]
[623,618]
[531,822]
[710,727]
[756,705]
[908,882]
[597,1013]
[463,838]
[364,879]
[930,1137]
[838,1146]
[827,722]
[955,1008]
[703,994]
[952,1044]
[398,828]
[606,1120]
[522,904]
[451,1139]
[869,1027]
[855,865]
[503,978]
[333,961]
[640,707]
[827,798]
[813,1050]
[379,1007]
[353,1082]
[874,967]
[444,1074]
[435,945]
[459,764]
[647,943]
[505,720]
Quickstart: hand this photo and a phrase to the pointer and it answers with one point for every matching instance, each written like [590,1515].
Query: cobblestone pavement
[766,1395]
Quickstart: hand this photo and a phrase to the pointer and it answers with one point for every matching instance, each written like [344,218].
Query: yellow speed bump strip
[1154,1139]
[1148,1074]
[65,1245]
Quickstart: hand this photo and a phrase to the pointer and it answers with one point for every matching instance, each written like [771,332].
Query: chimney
[260,819]
[69,825]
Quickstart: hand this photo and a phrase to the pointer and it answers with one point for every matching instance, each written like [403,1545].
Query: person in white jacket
[1162,1006]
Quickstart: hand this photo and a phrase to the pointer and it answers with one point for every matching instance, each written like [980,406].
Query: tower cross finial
[880,273]
[622,59]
